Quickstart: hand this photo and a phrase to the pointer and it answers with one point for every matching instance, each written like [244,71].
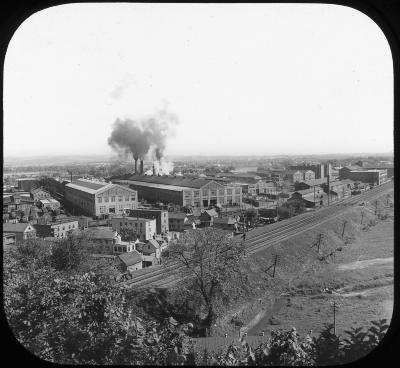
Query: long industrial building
[187,192]
[357,173]
[100,199]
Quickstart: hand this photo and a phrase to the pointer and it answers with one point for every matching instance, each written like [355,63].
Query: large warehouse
[99,199]
[183,191]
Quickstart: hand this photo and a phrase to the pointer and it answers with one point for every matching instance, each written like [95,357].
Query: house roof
[130,258]
[211,212]
[15,228]
[177,215]
[341,182]
[99,232]
[154,242]
[37,190]
[314,182]
[48,201]
[308,191]
[11,199]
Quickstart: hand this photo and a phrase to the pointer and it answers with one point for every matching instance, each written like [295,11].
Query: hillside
[358,275]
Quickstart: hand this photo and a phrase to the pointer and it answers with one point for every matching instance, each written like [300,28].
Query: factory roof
[153,185]
[352,167]
[171,181]
[91,187]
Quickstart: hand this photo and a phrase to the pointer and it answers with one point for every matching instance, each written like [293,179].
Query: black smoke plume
[138,137]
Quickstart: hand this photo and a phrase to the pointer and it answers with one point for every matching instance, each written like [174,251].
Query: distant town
[133,210]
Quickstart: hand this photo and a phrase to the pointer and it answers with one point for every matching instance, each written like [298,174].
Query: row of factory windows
[121,207]
[112,199]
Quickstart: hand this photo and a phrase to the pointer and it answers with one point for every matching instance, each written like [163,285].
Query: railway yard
[260,239]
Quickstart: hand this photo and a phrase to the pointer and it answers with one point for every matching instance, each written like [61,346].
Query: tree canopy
[211,267]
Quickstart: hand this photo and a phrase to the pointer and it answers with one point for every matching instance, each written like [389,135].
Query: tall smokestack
[154,169]
[141,167]
[136,160]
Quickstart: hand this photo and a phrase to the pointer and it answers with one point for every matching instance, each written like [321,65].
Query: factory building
[189,192]
[356,173]
[100,199]
[318,169]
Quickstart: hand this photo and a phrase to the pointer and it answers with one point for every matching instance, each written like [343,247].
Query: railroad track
[265,237]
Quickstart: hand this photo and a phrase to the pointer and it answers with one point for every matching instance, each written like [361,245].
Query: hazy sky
[243,79]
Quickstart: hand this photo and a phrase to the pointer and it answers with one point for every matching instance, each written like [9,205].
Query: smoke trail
[137,137]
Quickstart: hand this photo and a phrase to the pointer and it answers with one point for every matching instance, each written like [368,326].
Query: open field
[358,275]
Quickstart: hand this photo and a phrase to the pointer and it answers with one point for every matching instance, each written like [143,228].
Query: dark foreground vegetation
[64,307]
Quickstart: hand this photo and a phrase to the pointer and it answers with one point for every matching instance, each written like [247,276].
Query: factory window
[124,249]
[99,199]
[120,224]
[112,199]
[105,199]
[120,199]
[119,249]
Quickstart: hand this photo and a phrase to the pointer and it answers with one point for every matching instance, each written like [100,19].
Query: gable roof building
[183,191]
[100,199]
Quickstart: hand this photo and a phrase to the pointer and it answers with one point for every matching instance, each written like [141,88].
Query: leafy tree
[211,269]
[128,234]
[295,206]
[82,318]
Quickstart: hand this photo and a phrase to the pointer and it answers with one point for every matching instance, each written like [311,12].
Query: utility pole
[376,207]
[329,188]
[335,309]
[276,260]
[314,197]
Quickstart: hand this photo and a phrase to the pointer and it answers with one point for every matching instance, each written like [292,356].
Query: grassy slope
[303,276]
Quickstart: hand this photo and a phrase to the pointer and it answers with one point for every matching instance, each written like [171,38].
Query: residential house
[22,231]
[177,221]
[17,203]
[130,262]
[225,223]
[207,217]
[151,251]
[339,189]
[56,229]
[313,197]
[309,175]
[49,203]
[101,239]
[9,239]
[39,193]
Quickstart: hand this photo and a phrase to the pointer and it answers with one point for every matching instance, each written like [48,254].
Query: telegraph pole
[329,188]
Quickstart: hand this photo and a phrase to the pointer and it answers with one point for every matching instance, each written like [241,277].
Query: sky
[242,79]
